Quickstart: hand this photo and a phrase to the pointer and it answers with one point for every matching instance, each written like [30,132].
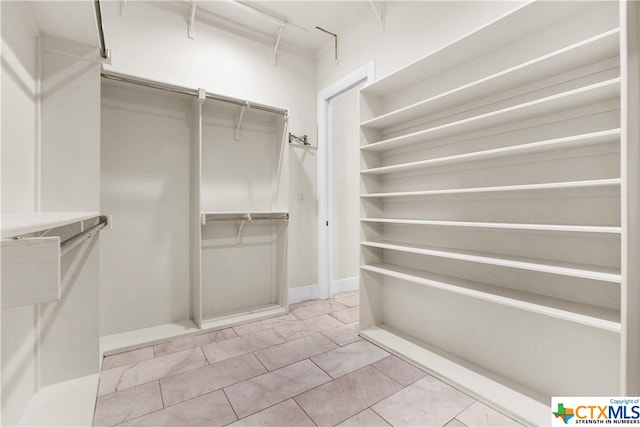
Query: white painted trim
[303,293]
[364,74]
[345,285]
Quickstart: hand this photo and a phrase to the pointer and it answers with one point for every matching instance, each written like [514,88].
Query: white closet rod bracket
[202,95]
[123,8]
[191,33]
[276,44]
[239,117]
[239,236]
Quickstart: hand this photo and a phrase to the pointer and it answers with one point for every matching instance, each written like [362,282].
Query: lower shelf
[524,406]
[584,314]
[132,340]
[233,319]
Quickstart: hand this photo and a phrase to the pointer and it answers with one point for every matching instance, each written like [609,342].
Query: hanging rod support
[301,139]
[276,44]
[335,40]
[191,32]
[239,117]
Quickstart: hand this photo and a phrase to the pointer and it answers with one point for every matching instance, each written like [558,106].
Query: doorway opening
[339,183]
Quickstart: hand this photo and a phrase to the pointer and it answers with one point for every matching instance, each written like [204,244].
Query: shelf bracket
[239,117]
[276,44]
[378,11]
[192,20]
[123,8]
[242,223]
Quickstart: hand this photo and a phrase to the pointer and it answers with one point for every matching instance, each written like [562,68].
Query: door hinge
[327,223]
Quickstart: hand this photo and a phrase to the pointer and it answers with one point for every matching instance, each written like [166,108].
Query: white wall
[18,110]
[18,196]
[145,166]
[70,142]
[345,188]
[151,42]
[412,30]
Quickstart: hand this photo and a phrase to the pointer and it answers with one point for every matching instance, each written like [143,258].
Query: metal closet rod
[187,91]
[74,241]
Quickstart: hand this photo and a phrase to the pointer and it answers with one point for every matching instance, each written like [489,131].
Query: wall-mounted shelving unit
[493,200]
[242,198]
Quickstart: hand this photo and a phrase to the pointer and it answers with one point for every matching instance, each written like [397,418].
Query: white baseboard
[304,293]
[345,285]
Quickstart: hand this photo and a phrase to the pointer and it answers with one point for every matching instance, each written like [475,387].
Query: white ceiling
[75,20]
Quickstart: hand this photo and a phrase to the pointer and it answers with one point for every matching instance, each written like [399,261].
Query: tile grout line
[302,409]
[380,415]
[161,396]
[230,404]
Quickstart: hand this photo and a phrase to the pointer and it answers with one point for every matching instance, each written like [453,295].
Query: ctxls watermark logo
[595,410]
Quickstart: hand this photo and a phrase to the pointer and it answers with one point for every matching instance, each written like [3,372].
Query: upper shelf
[527,19]
[592,50]
[587,95]
[511,189]
[594,138]
[18,224]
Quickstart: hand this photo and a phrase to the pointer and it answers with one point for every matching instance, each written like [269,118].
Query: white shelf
[526,19]
[583,314]
[484,386]
[18,224]
[522,263]
[600,183]
[244,316]
[584,140]
[587,95]
[501,225]
[592,50]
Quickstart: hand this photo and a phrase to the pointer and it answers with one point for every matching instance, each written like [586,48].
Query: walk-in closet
[319,213]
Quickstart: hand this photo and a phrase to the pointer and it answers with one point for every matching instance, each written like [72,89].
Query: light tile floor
[308,368]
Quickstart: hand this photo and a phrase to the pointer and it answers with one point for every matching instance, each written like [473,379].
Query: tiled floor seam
[305,412]
[260,361]
[161,396]
[380,415]
[232,408]
[474,400]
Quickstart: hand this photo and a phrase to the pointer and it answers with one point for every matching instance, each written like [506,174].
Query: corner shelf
[18,224]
